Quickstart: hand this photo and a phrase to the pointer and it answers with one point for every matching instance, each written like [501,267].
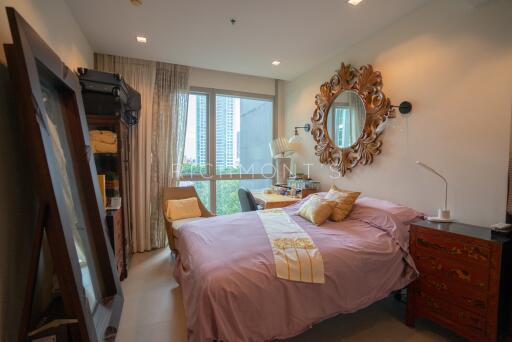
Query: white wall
[53,21]
[206,78]
[454,63]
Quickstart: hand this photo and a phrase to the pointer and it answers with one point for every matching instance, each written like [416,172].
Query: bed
[230,290]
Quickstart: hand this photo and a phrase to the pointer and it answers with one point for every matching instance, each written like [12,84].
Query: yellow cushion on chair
[182,209]
[344,199]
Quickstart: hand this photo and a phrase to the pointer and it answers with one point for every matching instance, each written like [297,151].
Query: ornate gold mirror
[349,116]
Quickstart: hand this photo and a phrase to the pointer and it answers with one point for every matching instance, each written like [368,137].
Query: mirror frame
[28,53]
[366,83]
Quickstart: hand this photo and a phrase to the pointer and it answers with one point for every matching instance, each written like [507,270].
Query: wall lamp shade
[280,148]
[295,139]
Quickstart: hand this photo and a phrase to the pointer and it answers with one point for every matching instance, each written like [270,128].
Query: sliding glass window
[226,147]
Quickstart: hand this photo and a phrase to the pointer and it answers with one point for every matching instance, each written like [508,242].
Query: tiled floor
[153,312]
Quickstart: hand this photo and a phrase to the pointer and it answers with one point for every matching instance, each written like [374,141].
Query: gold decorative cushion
[344,202]
[182,209]
[316,209]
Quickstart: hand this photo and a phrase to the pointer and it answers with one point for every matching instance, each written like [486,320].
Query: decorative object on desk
[443,215]
[300,183]
[70,212]
[349,116]
[281,151]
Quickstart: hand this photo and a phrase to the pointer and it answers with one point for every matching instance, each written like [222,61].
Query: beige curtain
[170,103]
[152,81]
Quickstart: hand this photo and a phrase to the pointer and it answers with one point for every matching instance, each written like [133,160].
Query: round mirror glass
[346,118]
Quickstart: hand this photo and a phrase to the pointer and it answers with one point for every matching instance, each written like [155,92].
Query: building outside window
[226,146]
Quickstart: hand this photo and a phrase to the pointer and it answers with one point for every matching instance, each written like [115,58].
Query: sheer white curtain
[357,115]
[154,138]
[170,102]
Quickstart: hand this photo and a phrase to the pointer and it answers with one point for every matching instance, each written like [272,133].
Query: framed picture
[50,106]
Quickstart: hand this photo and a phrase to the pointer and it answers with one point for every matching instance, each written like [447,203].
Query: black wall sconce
[295,138]
[306,127]
[404,108]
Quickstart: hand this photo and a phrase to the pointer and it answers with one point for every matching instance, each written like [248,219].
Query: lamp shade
[280,148]
[295,139]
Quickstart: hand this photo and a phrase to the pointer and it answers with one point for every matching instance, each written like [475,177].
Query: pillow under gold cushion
[316,209]
[344,202]
[182,209]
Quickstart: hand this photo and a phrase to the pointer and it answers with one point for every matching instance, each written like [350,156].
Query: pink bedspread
[230,291]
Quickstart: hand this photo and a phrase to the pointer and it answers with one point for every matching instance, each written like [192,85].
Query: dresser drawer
[453,245]
[452,271]
[476,301]
[442,310]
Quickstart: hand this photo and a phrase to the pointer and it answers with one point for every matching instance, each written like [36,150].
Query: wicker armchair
[175,193]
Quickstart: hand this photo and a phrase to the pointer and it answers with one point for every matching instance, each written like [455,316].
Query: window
[195,156]
[232,151]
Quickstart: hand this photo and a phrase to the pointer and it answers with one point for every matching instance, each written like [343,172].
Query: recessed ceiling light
[276,63]
[354,2]
[142,39]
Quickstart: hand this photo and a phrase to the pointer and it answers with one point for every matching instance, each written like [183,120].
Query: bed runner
[295,255]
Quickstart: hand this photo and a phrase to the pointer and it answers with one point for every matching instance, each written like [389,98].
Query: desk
[268,201]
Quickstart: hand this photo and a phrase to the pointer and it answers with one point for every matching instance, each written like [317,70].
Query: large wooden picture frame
[367,84]
[51,110]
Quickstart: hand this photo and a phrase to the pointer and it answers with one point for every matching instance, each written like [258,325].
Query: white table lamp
[443,215]
[281,150]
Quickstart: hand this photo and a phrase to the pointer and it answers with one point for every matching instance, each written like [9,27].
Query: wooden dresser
[464,283]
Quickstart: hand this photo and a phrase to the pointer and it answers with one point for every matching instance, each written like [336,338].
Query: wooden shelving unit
[122,169]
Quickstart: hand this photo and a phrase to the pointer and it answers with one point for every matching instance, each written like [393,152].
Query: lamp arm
[306,127]
[442,177]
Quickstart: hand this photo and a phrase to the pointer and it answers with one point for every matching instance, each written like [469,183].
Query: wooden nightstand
[464,282]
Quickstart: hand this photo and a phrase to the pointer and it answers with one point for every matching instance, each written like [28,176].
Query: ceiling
[299,33]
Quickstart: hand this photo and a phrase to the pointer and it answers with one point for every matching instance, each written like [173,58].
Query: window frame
[211,170]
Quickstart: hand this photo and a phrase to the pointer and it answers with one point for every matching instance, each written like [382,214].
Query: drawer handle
[430,301]
[461,274]
[477,303]
[440,285]
[476,323]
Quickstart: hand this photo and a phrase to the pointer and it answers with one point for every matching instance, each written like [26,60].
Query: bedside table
[465,279]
